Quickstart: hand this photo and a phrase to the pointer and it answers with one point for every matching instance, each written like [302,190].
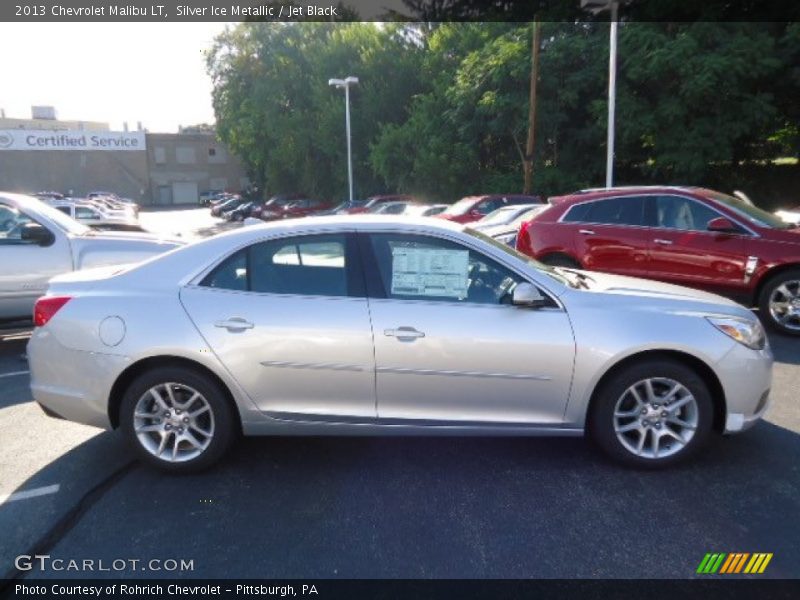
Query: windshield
[543,268]
[459,208]
[59,219]
[752,213]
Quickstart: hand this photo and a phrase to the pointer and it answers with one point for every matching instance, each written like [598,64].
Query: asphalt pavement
[395,507]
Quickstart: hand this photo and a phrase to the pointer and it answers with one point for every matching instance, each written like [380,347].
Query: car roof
[632,190]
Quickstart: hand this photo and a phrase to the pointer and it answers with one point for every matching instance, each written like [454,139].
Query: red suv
[474,208]
[684,235]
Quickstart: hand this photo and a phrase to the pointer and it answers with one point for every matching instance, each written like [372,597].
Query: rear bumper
[72,384]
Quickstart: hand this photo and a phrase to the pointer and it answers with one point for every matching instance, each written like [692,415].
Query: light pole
[596,6]
[346,83]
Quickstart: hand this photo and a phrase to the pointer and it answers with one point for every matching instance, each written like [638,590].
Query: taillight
[46,307]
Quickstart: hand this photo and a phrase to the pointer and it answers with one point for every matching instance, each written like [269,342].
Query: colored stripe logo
[735,562]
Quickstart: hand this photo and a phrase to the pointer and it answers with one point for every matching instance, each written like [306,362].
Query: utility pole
[529,147]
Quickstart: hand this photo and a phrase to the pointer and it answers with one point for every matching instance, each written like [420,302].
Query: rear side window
[309,265]
[626,210]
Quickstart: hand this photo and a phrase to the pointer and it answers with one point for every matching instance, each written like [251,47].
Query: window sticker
[430,272]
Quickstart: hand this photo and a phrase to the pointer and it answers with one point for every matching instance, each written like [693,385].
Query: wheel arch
[145,364]
[697,365]
[767,276]
[544,256]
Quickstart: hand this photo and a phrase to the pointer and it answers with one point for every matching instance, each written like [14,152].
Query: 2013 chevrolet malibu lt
[369,325]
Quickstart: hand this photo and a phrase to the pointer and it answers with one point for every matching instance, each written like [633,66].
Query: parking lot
[393,507]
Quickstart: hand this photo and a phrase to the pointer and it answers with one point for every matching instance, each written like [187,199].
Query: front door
[449,346]
[289,320]
[684,252]
[27,266]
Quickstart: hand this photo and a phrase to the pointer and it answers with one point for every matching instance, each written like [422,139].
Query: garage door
[184,192]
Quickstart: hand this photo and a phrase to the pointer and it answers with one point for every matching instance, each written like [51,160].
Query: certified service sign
[82,141]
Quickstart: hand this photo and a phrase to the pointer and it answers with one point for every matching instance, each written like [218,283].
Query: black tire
[225,421]
[601,418]
[560,260]
[792,275]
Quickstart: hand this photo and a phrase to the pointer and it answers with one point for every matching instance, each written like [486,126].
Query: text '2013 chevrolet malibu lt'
[352,325]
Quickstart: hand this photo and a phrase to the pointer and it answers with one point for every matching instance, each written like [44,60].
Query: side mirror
[35,233]
[527,295]
[721,225]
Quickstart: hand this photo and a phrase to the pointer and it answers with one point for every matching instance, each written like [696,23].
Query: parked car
[94,216]
[238,213]
[38,241]
[397,207]
[424,210]
[49,195]
[272,209]
[373,325]
[473,208]
[507,233]
[685,235]
[207,196]
[227,205]
[374,201]
[503,216]
[303,208]
[117,200]
[343,208]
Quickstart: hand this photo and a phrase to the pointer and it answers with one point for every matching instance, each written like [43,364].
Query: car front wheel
[652,414]
[779,302]
[177,419]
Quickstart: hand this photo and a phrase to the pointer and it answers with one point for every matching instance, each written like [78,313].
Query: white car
[96,216]
[38,242]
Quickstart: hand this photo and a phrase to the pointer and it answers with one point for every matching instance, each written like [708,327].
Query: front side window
[677,212]
[309,265]
[81,212]
[11,224]
[416,267]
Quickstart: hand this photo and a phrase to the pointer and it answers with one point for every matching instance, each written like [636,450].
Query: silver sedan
[370,325]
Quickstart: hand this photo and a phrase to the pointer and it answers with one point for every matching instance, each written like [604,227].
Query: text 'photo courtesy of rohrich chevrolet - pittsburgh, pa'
[352,300]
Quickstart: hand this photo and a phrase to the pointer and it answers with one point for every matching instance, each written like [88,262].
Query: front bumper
[746,377]
[73,384]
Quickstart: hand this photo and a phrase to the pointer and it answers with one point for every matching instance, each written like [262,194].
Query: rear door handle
[404,334]
[586,231]
[234,324]
[663,242]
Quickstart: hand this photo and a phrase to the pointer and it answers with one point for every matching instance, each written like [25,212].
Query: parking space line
[14,374]
[35,492]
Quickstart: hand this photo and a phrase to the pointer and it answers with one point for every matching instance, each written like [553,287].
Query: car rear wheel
[779,302]
[652,414]
[177,419]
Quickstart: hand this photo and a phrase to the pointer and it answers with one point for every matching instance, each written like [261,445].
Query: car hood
[660,295]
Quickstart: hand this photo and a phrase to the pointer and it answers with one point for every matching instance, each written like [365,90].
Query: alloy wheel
[656,417]
[784,305]
[173,422]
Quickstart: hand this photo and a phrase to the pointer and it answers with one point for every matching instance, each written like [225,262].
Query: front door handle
[663,242]
[234,324]
[586,231]
[404,334]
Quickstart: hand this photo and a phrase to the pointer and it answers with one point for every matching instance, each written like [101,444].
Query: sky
[111,72]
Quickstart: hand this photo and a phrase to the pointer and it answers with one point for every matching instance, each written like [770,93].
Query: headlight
[745,331]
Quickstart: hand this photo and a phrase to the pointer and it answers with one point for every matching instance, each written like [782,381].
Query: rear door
[610,234]
[289,319]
